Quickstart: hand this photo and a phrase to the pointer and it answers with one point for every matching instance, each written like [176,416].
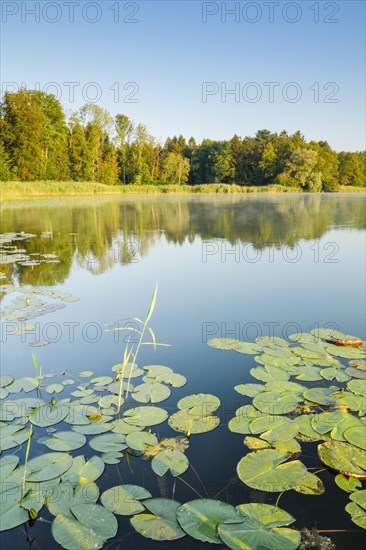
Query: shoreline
[17,191]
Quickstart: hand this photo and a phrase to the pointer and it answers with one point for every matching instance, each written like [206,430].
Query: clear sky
[169,64]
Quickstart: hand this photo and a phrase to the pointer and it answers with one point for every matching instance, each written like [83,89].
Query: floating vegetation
[301,393]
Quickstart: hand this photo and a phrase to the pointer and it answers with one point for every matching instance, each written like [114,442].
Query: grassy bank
[23,190]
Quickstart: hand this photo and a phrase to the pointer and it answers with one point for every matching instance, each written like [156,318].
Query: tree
[302,171]
[175,169]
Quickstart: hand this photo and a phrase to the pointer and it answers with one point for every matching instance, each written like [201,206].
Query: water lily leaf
[8,464]
[63,496]
[333,373]
[291,446]
[49,415]
[12,435]
[199,404]
[170,460]
[112,457]
[346,352]
[239,425]
[305,428]
[94,428]
[65,441]
[350,401]
[356,436]
[102,380]
[108,401]
[274,428]
[321,396]
[358,387]
[250,390]
[253,443]
[281,386]
[356,373]
[271,341]
[268,470]
[140,441]
[11,513]
[121,427]
[68,382]
[5,380]
[169,443]
[153,392]
[108,442]
[25,384]
[130,371]
[156,370]
[343,458]
[311,485]
[85,374]
[125,499]
[172,379]
[271,360]
[276,403]
[269,374]
[262,527]
[200,518]
[3,393]
[90,526]
[54,388]
[145,416]
[78,414]
[47,466]
[161,524]
[325,422]
[185,422]
[232,344]
[309,374]
[357,508]
[348,484]
[82,393]
[81,470]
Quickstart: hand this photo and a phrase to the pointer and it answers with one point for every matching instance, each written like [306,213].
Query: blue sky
[169,52]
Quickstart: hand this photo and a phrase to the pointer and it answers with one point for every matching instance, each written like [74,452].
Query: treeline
[38,142]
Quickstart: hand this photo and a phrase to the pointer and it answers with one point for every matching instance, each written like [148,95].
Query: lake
[226,267]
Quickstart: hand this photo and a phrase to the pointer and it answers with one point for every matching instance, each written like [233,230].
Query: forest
[40,142]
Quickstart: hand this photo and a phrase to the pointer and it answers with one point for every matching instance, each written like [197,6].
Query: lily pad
[268,470]
[356,436]
[161,524]
[200,518]
[25,384]
[65,441]
[125,499]
[47,466]
[172,379]
[199,404]
[141,441]
[185,422]
[90,527]
[108,442]
[276,403]
[262,527]
[343,458]
[145,416]
[12,435]
[152,392]
[311,485]
[170,460]
[348,484]
[49,415]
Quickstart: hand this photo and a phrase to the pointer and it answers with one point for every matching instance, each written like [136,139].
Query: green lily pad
[54,388]
[125,499]
[65,441]
[102,380]
[356,436]
[262,527]
[346,352]
[311,485]
[276,403]
[170,460]
[254,444]
[90,527]
[12,435]
[348,484]
[11,513]
[268,470]
[25,384]
[343,458]
[152,392]
[113,457]
[49,415]
[85,374]
[199,404]
[249,390]
[321,396]
[145,416]
[228,344]
[141,441]
[325,422]
[47,466]
[5,380]
[346,421]
[161,524]
[122,427]
[185,422]
[156,370]
[108,442]
[79,470]
[309,373]
[8,464]
[94,428]
[358,387]
[357,508]
[269,374]
[200,518]
[172,379]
